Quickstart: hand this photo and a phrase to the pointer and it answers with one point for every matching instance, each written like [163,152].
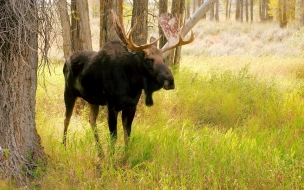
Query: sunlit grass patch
[220,128]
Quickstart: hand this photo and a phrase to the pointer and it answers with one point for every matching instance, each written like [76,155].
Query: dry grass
[234,121]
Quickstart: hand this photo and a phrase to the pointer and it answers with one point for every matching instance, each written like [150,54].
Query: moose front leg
[94,109]
[112,122]
[127,119]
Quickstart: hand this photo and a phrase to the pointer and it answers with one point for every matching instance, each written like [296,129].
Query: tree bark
[217,8]
[251,10]
[226,8]
[66,28]
[84,25]
[238,10]
[211,13]
[81,31]
[283,13]
[246,10]
[187,11]
[20,145]
[163,8]
[178,49]
[140,15]
[302,13]
[109,32]
[101,21]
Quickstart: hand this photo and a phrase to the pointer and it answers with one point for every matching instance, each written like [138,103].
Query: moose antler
[170,27]
[127,40]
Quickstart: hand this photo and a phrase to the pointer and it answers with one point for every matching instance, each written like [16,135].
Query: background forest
[234,121]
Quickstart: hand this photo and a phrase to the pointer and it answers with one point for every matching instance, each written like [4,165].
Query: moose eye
[150,62]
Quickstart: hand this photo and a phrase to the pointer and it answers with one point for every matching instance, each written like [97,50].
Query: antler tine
[128,40]
[180,43]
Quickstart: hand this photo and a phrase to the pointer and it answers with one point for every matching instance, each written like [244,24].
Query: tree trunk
[101,15]
[238,10]
[66,28]
[140,15]
[302,13]
[292,9]
[187,11]
[163,8]
[246,10]
[211,13]
[20,145]
[178,49]
[177,9]
[217,7]
[230,4]
[84,25]
[242,10]
[81,31]
[282,13]
[109,32]
[263,10]
[251,10]
[227,13]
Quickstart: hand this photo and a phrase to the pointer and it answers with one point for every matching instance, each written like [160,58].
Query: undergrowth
[219,129]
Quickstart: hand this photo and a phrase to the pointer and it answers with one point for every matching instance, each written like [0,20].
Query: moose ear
[152,39]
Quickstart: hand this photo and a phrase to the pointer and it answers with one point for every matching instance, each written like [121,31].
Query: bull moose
[115,77]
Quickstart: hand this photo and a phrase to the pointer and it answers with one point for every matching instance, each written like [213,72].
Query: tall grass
[219,129]
[234,121]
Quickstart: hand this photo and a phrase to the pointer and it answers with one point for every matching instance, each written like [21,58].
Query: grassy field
[234,121]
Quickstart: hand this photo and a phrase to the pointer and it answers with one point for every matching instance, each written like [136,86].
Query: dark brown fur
[115,77]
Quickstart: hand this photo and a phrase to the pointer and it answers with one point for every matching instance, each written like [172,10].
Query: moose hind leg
[69,101]
[127,119]
[94,109]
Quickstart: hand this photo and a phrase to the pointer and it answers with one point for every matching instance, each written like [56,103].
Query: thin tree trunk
[292,10]
[227,10]
[84,24]
[163,8]
[140,15]
[241,10]
[230,4]
[66,28]
[246,10]
[263,11]
[101,15]
[251,10]
[217,7]
[238,10]
[302,12]
[187,13]
[20,144]
[81,33]
[283,13]
[178,50]
[211,12]
[170,60]
[109,33]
